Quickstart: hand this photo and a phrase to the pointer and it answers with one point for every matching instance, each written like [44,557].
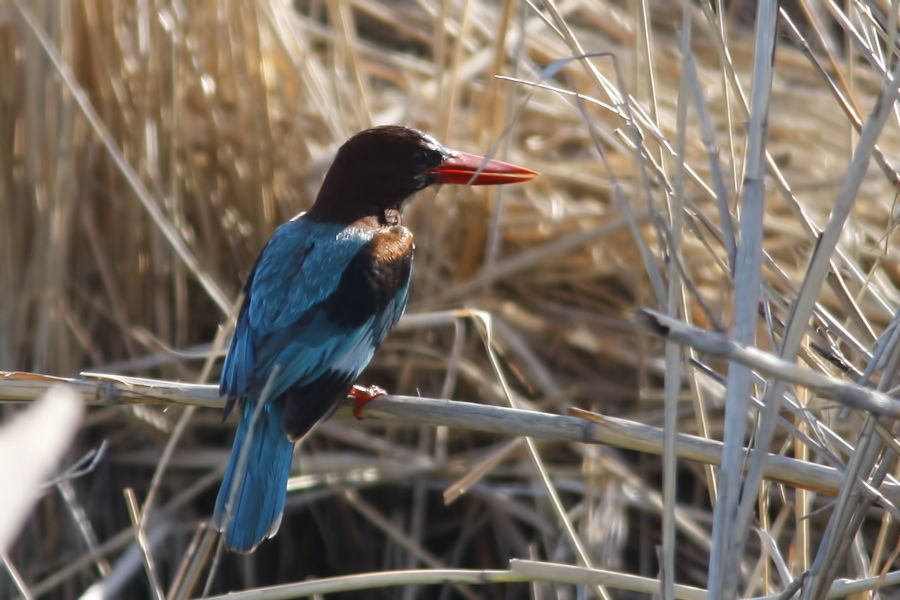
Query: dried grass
[150,148]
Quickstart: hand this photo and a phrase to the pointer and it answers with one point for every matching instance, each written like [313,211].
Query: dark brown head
[380,168]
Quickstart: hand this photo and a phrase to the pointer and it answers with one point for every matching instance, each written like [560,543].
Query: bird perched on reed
[324,293]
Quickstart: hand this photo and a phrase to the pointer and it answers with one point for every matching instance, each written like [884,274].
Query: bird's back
[321,298]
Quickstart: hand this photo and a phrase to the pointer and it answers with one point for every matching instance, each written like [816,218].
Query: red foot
[364,395]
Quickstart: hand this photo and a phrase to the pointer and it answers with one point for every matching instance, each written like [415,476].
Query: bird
[321,297]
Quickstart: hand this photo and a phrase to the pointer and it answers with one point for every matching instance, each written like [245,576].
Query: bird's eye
[423,155]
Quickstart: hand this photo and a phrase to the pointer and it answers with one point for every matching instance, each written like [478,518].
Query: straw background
[149,148]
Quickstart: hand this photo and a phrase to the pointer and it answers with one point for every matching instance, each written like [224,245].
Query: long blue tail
[258,500]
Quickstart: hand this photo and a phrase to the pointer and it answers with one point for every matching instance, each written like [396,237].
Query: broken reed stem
[587,427]
[712,342]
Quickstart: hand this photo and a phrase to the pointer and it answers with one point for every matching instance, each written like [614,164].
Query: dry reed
[149,149]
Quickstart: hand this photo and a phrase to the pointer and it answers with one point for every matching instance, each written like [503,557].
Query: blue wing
[296,271]
[319,301]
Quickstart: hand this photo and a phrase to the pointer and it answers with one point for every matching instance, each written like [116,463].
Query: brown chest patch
[391,245]
[375,281]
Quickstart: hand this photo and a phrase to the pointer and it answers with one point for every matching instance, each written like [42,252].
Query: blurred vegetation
[149,148]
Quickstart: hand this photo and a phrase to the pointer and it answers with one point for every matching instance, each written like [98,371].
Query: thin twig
[16,577]
[715,343]
[136,521]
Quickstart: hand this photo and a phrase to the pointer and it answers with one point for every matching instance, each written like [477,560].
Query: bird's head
[380,168]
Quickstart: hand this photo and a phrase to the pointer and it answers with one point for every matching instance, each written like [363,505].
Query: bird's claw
[362,395]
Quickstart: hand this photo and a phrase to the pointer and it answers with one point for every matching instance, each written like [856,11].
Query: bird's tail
[256,492]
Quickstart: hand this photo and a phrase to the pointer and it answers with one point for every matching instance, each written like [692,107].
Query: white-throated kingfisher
[324,293]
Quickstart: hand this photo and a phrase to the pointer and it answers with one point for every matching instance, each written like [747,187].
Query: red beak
[470,169]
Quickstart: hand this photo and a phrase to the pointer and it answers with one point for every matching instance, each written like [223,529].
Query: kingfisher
[322,296]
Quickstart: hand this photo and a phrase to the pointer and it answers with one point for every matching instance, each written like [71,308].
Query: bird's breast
[391,245]
[375,280]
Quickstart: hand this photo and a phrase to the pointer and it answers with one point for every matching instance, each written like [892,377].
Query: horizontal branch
[560,573]
[101,389]
[520,571]
[712,342]
[371,581]
[585,427]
